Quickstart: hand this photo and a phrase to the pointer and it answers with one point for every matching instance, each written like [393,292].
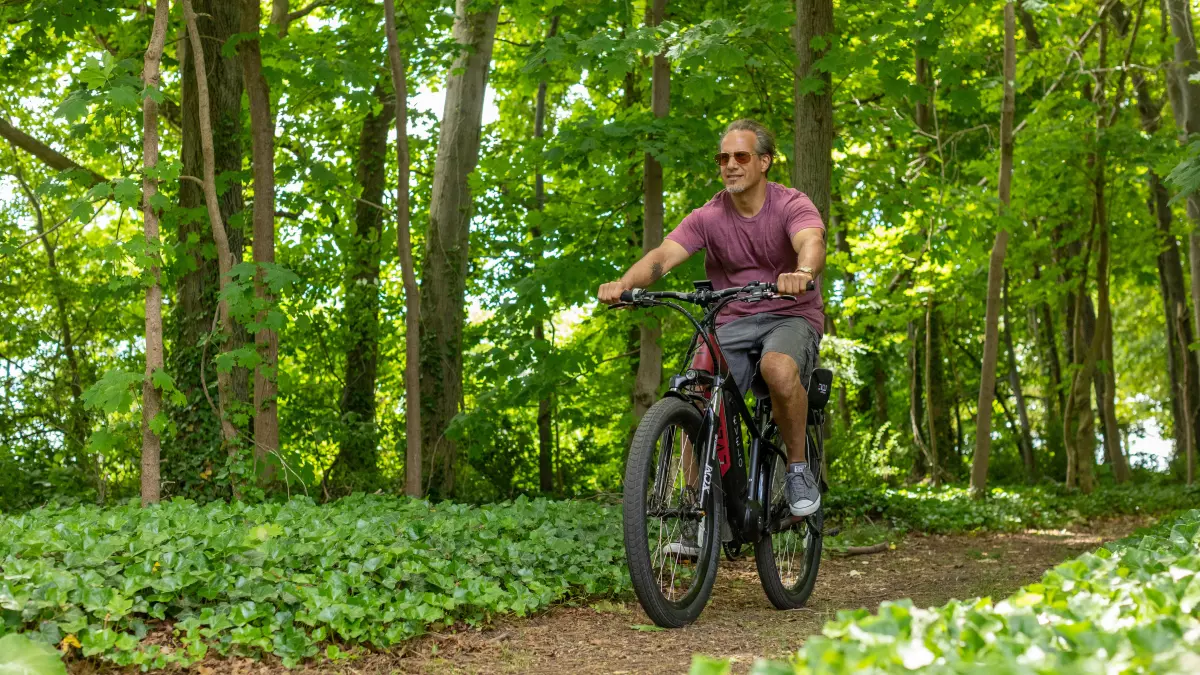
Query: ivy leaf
[21,656]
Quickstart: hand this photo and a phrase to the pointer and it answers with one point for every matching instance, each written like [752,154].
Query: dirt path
[738,623]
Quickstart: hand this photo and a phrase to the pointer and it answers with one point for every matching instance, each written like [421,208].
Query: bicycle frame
[712,389]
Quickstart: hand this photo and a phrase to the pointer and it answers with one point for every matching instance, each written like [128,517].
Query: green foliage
[1130,606]
[951,509]
[1185,177]
[21,656]
[873,460]
[284,578]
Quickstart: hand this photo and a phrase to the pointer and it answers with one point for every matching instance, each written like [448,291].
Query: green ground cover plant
[294,579]
[1131,606]
[172,583]
[947,509]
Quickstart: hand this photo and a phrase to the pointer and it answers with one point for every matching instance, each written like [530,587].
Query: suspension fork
[708,439]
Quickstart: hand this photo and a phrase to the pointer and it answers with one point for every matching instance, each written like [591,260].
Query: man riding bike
[756,230]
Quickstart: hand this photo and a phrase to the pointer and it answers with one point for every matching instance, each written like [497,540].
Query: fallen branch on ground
[850,551]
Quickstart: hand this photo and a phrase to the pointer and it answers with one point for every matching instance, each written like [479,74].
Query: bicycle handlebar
[704,297]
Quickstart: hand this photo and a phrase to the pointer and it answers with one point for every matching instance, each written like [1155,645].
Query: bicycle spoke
[671,499]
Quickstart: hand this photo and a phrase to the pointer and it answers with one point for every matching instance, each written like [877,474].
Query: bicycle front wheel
[789,555]
[672,541]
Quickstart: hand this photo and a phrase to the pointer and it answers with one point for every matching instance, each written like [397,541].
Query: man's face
[742,177]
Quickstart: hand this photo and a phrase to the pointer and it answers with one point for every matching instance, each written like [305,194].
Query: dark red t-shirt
[741,250]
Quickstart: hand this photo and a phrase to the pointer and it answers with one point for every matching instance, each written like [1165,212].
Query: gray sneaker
[687,544]
[803,494]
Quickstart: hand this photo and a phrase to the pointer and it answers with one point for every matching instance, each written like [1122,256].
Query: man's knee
[780,373]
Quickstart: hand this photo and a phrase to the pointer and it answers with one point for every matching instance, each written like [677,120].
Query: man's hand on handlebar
[610,293]
[794,283]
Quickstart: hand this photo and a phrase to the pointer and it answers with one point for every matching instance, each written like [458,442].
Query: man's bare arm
[645,272]
[809,245]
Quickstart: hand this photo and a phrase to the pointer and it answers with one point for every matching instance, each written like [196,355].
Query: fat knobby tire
[768,571]
[661,416]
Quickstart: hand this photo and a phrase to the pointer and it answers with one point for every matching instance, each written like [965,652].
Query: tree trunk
[355,466]
[444,276]
[941,434]
[544,416]
[649,374]
[77,427]
[879,379]
[152,395]
[987,372]
[924,463]
[226,401]
[842,244]
[1185,102]
[1116,457]
[412,294]
[1181,361]
[1044,334]
[262,145]
[812,158]
[1014,381]
[1107,402]
[198,445]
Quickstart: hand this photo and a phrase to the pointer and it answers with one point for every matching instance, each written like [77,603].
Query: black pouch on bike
[819,387]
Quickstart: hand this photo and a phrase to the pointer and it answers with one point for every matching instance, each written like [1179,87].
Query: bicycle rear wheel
[662,478]
[789,554]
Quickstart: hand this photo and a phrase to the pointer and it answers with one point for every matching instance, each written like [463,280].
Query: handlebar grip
[811,285]
[626,296]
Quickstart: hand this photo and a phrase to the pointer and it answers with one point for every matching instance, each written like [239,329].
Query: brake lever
[621,305]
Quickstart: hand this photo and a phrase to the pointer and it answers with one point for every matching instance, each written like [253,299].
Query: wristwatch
[807,270]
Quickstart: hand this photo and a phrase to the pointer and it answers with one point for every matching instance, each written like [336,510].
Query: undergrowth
[172,583]
[284,578]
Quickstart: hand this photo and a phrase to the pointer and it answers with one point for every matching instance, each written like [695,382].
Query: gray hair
[764,140]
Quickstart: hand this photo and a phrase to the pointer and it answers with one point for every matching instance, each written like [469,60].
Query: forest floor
[739,623]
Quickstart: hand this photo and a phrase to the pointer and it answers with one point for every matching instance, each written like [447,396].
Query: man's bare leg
[789,400]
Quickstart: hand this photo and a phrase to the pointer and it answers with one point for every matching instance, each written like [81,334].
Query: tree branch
[51,157]
[305,11]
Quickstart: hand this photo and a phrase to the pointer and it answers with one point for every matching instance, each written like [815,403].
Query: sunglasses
[742,157]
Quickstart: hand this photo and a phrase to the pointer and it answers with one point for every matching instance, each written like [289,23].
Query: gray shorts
[744,341]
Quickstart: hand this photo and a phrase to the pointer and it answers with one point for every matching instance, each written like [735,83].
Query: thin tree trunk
[544,416]
[649,374]
[812,163]
[1014,381]
[194,302]
[879,381]
[224,256]
[356,463]
[152,395]
[842,244]
[933,468]
[921,463]
[1185,101]
[412,294]
[1078,426]
[987,372]
[1116,457]
[78,426]
[262,144]
[1112,434]
[444,277]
